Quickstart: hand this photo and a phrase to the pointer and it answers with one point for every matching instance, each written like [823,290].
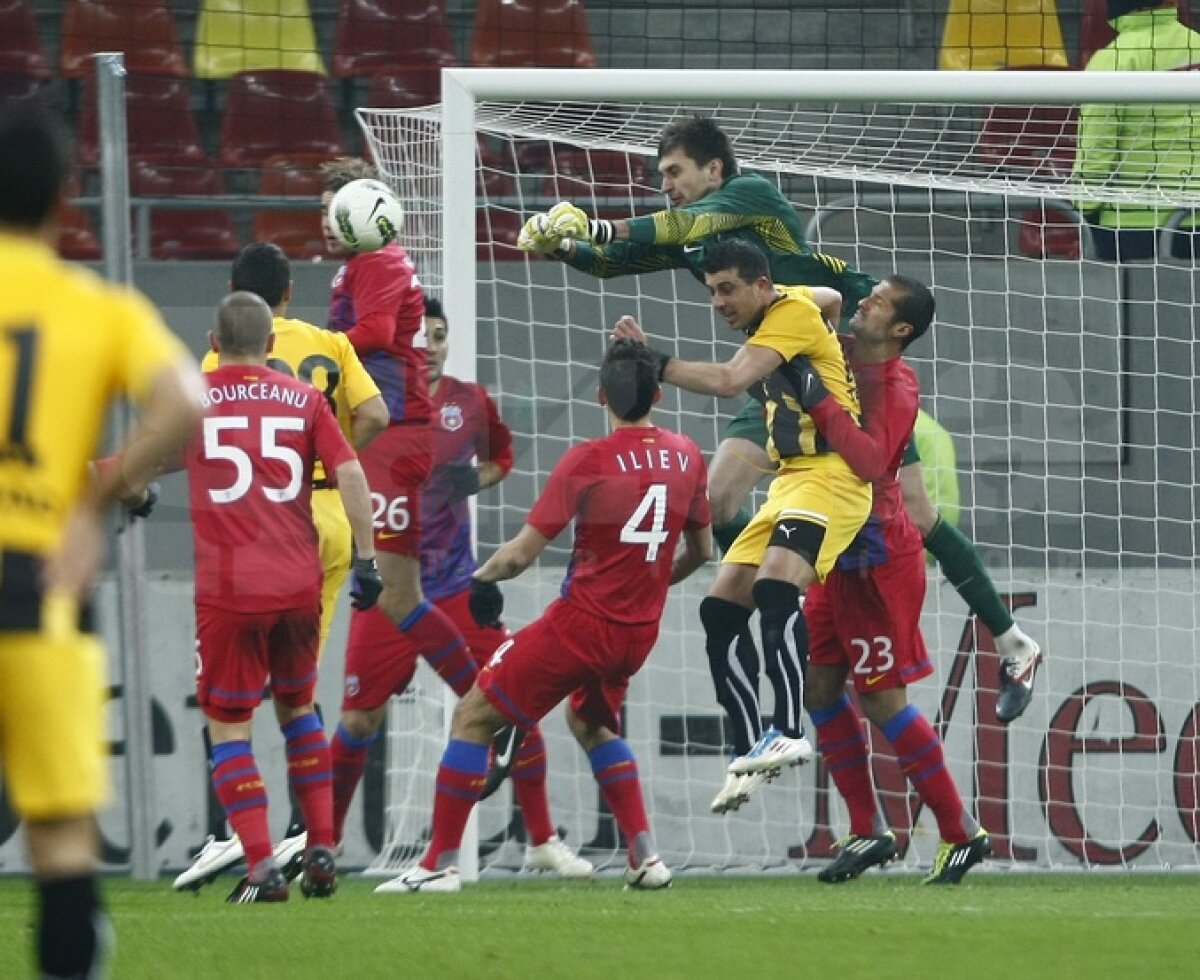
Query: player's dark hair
[433,308]
[262,268]
[34,164]
[244,323]
[629,380]
[914,305]
[336,174]
[746,259]
[701,140]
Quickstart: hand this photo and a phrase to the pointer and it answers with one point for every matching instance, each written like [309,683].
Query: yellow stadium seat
[991,34]
[249,35]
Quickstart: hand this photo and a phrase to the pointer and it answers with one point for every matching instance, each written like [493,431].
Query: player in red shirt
[377,301]
[864,621]
[632,495]
[258,584]
[466,427]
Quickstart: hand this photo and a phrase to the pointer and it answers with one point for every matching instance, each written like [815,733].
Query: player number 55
[242,463]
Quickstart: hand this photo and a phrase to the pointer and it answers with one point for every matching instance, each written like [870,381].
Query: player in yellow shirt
[814,508]
[327,361]
[71,345]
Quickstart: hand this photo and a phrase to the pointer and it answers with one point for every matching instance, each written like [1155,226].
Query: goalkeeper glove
[538,236]
[463,479]
[365,583]
[147,505]
[486,603]
[568,221]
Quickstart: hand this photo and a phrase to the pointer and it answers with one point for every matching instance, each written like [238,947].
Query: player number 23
[875,655]
[243,466]
[652,509]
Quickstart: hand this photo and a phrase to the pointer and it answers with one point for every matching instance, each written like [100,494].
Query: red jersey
[378,303]
[466,425]
[248,478]
[631,494]
[890,395]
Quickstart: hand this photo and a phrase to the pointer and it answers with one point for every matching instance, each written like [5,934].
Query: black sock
[785,650]
[73,932]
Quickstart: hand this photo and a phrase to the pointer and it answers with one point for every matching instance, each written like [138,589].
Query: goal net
[1067,384]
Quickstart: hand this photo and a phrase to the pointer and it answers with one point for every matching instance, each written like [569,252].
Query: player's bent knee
[475,717]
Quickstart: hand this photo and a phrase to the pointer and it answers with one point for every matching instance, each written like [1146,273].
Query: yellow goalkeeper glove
[569,221]
[538,236]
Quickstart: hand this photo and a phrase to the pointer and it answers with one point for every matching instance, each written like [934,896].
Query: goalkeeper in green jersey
[711,200]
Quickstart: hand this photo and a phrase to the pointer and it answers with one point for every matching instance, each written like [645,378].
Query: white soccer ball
[365,215]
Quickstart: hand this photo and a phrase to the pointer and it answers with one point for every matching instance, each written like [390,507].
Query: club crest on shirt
[452,417]
[352,686]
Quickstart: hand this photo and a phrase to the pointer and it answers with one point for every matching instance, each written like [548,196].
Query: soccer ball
[365,215]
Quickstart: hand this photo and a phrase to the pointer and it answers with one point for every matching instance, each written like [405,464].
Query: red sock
[616,771]
[843,746]
[460,779]
[436,638]
[242,793]
[529,787]
[310,777]
[348,759]
[919,752]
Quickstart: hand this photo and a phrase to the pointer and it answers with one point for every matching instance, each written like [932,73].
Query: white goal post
[1066,382]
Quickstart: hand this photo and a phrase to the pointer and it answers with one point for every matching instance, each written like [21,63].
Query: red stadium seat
[414,85]
[183,234]
[269,113]
[298,233]
[143,29]
[588,174]
[496,232]
[159,120]
[1048,234]
[531,33]
[388,37]
[18,86]
[76,235]
[20,45]
[1036,141]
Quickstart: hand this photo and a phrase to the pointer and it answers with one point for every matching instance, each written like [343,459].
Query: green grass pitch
[1009,926]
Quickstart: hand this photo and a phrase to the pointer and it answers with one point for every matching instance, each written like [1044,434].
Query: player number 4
[654,506]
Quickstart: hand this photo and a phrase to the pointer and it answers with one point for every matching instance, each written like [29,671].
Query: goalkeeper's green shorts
[750,423]
[910,453]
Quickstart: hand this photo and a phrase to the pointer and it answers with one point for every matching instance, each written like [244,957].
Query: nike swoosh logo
[385,535]
[378,204]
[876,679]
[693,248]
[504,757]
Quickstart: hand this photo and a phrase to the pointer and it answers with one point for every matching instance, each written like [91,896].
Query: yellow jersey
[793,327]
[71,344]
[323,358]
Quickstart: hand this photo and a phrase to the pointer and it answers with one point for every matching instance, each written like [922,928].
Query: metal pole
[131,557]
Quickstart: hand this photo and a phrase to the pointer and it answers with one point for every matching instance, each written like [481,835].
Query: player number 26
[390,515]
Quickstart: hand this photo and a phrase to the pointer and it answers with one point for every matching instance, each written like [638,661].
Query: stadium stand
[268,113]
[159,122]
[21,50]
[298,233]
[143,29]
[183,233]
[391,37]
[531,33]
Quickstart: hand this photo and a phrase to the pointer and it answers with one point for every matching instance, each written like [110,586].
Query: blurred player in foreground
[70,347]
[864,620]
[632,495]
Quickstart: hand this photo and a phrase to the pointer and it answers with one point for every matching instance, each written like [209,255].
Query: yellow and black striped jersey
[70,345]
[793,327]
